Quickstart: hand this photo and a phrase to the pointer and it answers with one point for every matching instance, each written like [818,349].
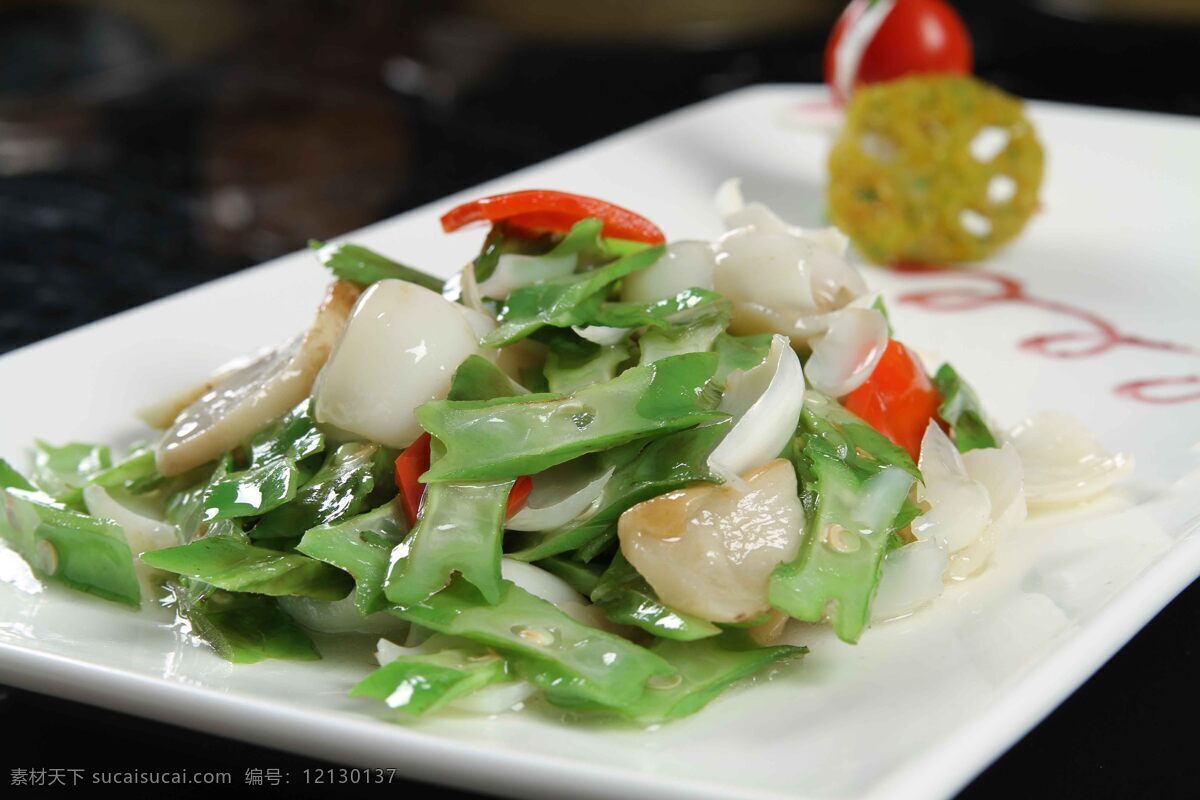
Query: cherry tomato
[898,400]
[546,210]
[414,462]
[902,37]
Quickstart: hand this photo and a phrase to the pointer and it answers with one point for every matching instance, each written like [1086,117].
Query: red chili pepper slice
[898,400]
[414,462]
[410,466]
[548,210]
[518,495]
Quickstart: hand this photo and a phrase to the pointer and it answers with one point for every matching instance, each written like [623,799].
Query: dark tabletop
[150,145]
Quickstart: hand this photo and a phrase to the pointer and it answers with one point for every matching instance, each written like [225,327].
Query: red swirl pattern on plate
[1098,337]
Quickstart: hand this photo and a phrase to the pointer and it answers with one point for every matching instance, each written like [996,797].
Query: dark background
[150,145]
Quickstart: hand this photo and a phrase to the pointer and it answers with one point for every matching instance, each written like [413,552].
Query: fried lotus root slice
[934,170]
[252,397]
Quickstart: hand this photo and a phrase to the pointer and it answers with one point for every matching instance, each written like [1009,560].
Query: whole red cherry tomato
[880,40]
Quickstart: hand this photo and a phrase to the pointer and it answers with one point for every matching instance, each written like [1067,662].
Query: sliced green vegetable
[705,669]
[574,363]
[562,302]
[640,472]
[590,249]
[961,409]
[352,476]
[461,525]
[237,566]
[598,545]
[295,436]
[355,263]
[136,471]
[740,352]
[420,684]
[908,512]
[506,438]
[628,600]
[499,242]
[697,334]
[62,471]
[861,446]
[255,491]
[882,308]
[83,552]
[360,546]
[853,497]
[278,468]
[680,309]
[10,478]
[583,241]
[479,379]
[185,508]
[572,663]
[242,628]
[534,379]
[459,531]
[583,238]
[69,469]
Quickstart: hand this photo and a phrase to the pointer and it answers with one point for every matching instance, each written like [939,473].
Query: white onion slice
[452,289]
[780,278]
[481,323]
[601,334]
[553,590]
[142,533]
[939,459]
[770,269]
[469,290]
[881,495]
[847,353]
[781,283]
[516,271]
[912,576]
[1064,463]
[387,651]
[399,350]
[998,471]
[560,494]
[729,200]
[539,582]
[765,402]
[258,394]
[960,508]
[685,265]
[340,616]
[736,213]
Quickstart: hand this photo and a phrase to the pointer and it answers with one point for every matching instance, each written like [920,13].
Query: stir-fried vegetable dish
[594,469]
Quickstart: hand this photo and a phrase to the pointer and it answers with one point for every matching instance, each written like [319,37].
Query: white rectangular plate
[922,704]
